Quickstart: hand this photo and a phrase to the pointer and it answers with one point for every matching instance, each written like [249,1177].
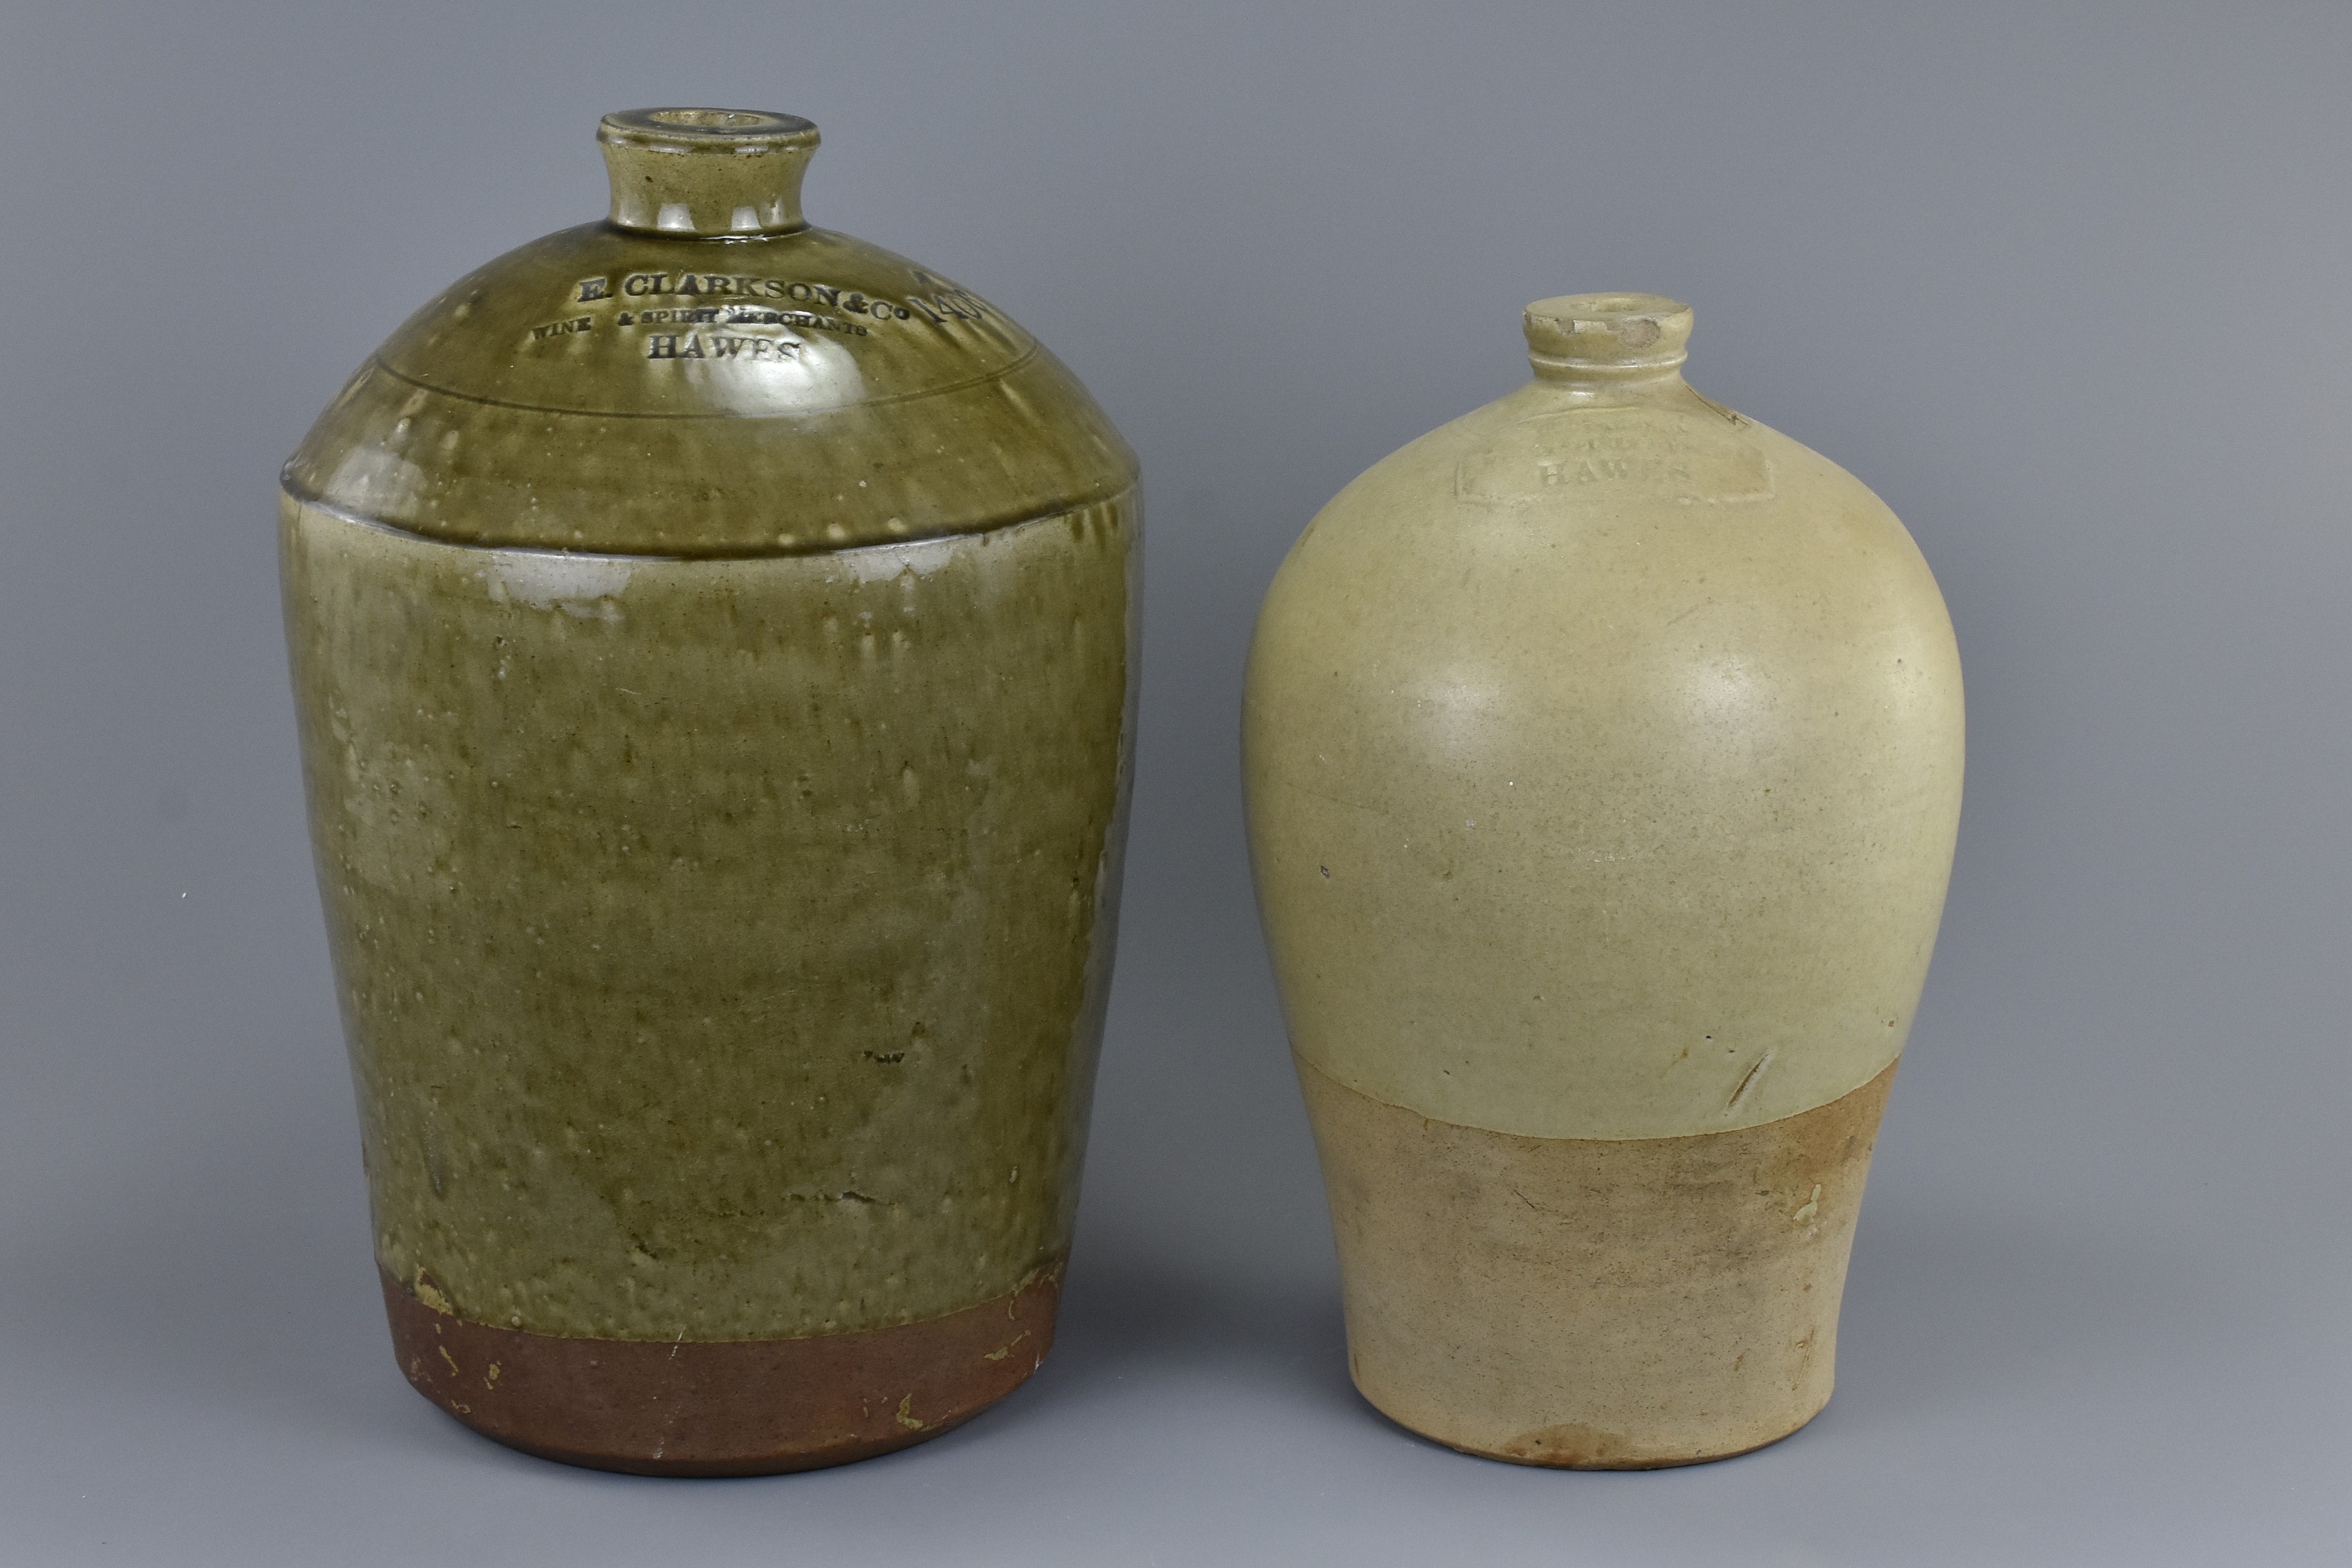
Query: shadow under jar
[714,641]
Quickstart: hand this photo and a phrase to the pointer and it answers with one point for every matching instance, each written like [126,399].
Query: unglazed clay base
[740,1407]
[1593,1303]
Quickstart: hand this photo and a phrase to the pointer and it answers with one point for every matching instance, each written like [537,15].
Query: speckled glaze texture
[718,770]
[1604,755]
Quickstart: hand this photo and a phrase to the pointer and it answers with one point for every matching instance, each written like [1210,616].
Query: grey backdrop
[2065,283]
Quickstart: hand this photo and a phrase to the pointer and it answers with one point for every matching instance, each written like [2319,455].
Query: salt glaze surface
[714,641]
[1603,754]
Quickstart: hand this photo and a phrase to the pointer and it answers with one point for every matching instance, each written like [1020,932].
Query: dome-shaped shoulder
[609,390]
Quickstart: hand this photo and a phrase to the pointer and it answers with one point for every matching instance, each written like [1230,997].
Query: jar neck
[1608,346]
[707,173]
[1609,381]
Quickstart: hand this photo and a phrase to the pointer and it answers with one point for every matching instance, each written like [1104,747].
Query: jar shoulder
[605,390]
[1580,541]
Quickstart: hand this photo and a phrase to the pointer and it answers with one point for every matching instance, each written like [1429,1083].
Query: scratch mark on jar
[1749,1083]
[881,563]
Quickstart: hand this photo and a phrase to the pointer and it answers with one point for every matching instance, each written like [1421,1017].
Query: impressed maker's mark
[1615,455]
[720,315]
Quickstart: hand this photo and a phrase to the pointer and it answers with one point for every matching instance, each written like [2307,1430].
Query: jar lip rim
[1598,308]
[691,130]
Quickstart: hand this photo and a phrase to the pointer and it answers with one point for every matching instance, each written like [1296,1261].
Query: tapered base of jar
[744,1407]
[1593,1303]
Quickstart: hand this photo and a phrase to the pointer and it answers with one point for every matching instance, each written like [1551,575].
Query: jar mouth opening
[1603,307]
[684,129]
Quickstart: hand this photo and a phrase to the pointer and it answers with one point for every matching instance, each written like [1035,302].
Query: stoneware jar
[1603,750]
[715,647]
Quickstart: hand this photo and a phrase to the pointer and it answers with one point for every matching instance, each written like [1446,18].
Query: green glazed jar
[714,640]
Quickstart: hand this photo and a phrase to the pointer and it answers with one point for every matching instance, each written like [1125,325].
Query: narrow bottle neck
[707,173]
[1603,381]
[1607,346]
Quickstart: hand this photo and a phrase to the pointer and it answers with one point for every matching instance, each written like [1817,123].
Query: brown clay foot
[746,1407]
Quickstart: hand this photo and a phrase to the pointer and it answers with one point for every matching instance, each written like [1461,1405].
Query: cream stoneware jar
[1603,754]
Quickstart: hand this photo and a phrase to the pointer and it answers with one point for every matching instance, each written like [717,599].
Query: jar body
[714,644]
[1603,751]
[722,944]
